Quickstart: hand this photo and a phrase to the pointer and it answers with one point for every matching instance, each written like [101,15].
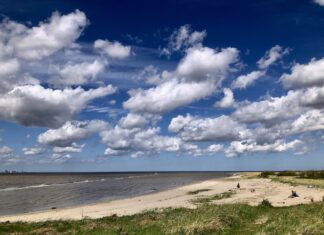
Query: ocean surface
[20,193]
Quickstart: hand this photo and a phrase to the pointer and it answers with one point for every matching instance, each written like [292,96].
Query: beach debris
[53,208]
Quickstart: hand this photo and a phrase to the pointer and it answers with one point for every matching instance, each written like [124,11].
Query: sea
[30,192]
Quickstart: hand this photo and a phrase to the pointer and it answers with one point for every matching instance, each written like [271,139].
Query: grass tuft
[198,191]
[210,199]
[234,219]
[266,203]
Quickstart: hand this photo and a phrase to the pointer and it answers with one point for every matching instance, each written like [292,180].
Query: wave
[48,185]
[68,183]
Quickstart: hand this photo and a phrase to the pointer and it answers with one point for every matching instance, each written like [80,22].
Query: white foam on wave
[48,185]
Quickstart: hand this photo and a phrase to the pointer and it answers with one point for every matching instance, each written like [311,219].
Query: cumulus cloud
[74,148]
[214,148]
[78,74]
[5,150]
[272,56]
[201,63]
[133,120]
[198,76]
[222,128]
[319,2]
[167,96]
[183,38]
[71,132]
[34,105]
[112,49]
[121,141]
[33,151]
[244,81]
[312,97]
[43,40]
[228,99]
[9,67]
[143,139]
[305,75]
[59,158]
[240,147]
[270,110]
[312,120]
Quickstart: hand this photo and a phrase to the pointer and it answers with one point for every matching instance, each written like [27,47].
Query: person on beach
[238,186]
[293,194]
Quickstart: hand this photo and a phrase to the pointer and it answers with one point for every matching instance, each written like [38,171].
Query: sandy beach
[252,191]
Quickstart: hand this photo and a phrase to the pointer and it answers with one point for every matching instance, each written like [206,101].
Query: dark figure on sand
[238,185]
[293,194]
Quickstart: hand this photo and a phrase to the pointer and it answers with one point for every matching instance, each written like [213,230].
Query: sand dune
[276,193]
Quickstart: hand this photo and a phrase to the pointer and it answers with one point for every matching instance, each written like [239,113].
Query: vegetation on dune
[309,178]
[300,174]
[209,199]
[206,219]
[198,191]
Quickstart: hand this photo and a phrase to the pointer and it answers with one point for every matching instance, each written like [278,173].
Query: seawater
[21,193]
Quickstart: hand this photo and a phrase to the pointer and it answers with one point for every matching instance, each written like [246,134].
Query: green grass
[209,199]
[314,178]
[198,191]
[299,174]
[227,219]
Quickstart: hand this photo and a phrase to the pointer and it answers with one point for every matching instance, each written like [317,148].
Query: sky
[182,85]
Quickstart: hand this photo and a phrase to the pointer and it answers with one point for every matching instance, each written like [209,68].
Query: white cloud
[272,56]
[201,63]
[9,67]
[71,132]
[112,49]
[305,75]
[183,38]
[33,151]
[240,147]
[319,2]
[34,105]
[133,120]
[167,96]
[198,76]
[5,150]
[48,37]
[228,99]
[221,128]
[312,120]
[60,158]
[244,81]
[78,74]
[122,141]
[214,148]
[271,110]
[312,97]
[74,148]
[178,123]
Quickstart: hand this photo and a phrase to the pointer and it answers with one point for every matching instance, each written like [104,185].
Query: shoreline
[276,193]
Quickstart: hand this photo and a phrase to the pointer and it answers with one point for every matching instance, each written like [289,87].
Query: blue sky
[161,85]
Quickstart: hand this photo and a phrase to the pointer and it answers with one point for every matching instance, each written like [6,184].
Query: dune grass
[209,199]
[198,191]
[206,219]
[309,178]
